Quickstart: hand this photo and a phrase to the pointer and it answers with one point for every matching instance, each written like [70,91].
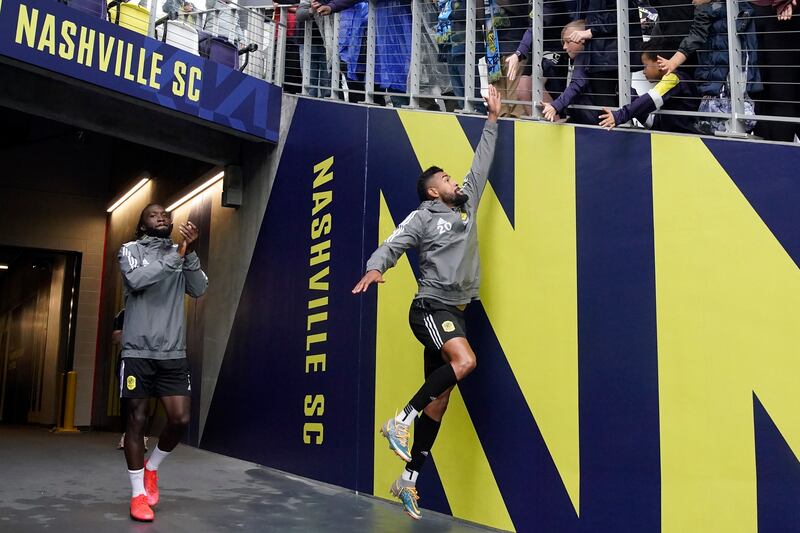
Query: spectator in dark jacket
[672,92]
[778,28]
[708,38]
[320,77]
[580,84]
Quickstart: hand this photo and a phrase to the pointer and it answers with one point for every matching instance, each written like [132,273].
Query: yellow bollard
[69,403]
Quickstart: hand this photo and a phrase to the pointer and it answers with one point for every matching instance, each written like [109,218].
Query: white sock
[154,461]
[137,482]
[407,415]
[409,475]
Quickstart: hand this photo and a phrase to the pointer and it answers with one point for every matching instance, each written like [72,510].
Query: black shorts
[154,378]
[434,323]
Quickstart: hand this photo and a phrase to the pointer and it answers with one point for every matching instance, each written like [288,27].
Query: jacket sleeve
[576,87]
[475,181]
[407,235]
[698,33]
[138,277]
[651,101]
[341,5]
[303,11]
[196,279]
[524,47]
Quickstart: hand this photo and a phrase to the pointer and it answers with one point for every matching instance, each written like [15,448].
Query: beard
[457,199]
[161,233]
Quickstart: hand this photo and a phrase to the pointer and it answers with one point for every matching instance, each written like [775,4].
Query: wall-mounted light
[3,267]
[128,194]
[196,191]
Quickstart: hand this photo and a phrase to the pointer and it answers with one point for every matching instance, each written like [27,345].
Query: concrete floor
[79,483]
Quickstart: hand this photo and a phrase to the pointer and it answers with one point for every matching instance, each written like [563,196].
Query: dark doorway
[38,299]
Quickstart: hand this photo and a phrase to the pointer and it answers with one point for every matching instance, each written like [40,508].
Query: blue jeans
[456,63]
[320,76]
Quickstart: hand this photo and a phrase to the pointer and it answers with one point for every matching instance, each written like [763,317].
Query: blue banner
[60,39]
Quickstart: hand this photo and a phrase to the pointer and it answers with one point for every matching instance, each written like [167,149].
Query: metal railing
[392,52]
[581,59]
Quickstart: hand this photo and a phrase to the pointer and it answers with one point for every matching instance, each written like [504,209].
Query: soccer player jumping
[444,230]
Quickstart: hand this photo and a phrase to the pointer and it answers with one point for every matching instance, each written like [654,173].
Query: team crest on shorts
[448,326]
[131,382]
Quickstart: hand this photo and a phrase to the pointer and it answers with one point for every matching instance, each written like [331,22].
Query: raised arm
[475,181]
[138,277]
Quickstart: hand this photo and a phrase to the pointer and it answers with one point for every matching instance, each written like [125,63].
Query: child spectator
[672,92]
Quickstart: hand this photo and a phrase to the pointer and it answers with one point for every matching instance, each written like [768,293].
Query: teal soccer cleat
[408,496]
[397,435]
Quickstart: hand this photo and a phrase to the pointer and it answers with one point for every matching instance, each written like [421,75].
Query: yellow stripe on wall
[728,324]
[466,476]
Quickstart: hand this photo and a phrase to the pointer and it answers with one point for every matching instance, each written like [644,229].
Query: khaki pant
[508,90]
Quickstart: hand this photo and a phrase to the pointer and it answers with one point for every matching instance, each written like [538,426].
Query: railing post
[536,57]
[280,66]
[335,72]
[469,57]
[623,53]
[415,66]
[369,77]
[737,82]
[272,44]
[306,64]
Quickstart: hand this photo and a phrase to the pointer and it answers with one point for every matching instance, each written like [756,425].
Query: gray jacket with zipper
[156,277]
[447,238]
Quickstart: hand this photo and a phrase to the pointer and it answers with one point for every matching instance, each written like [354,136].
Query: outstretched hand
[372,276]
[607,119]
[493,103]
[190,233]
[512,66]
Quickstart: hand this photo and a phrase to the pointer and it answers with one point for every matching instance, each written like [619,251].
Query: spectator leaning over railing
[600,39]
[674,21]
[778,28]
[319,67]
[708,38]
[578,80]
[673,92]
[178,7]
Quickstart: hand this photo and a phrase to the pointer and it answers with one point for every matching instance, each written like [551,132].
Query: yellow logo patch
[463,216]
[448,326]
[131,382]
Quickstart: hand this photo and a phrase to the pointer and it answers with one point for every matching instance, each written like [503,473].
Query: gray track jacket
[155,279]
[447,238]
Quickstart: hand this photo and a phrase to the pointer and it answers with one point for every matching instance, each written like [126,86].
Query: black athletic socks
[439,381]
[425,431]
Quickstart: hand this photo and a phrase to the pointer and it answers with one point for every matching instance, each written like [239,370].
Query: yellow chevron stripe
[537,326]
[727,300]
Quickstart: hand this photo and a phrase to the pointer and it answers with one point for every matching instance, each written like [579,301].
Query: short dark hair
[139,231]
[654,48]
[422,182]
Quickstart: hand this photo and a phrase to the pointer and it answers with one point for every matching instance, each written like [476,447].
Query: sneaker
[151,485]
[408,496]
[397,435]
[121,444]
[140,510]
